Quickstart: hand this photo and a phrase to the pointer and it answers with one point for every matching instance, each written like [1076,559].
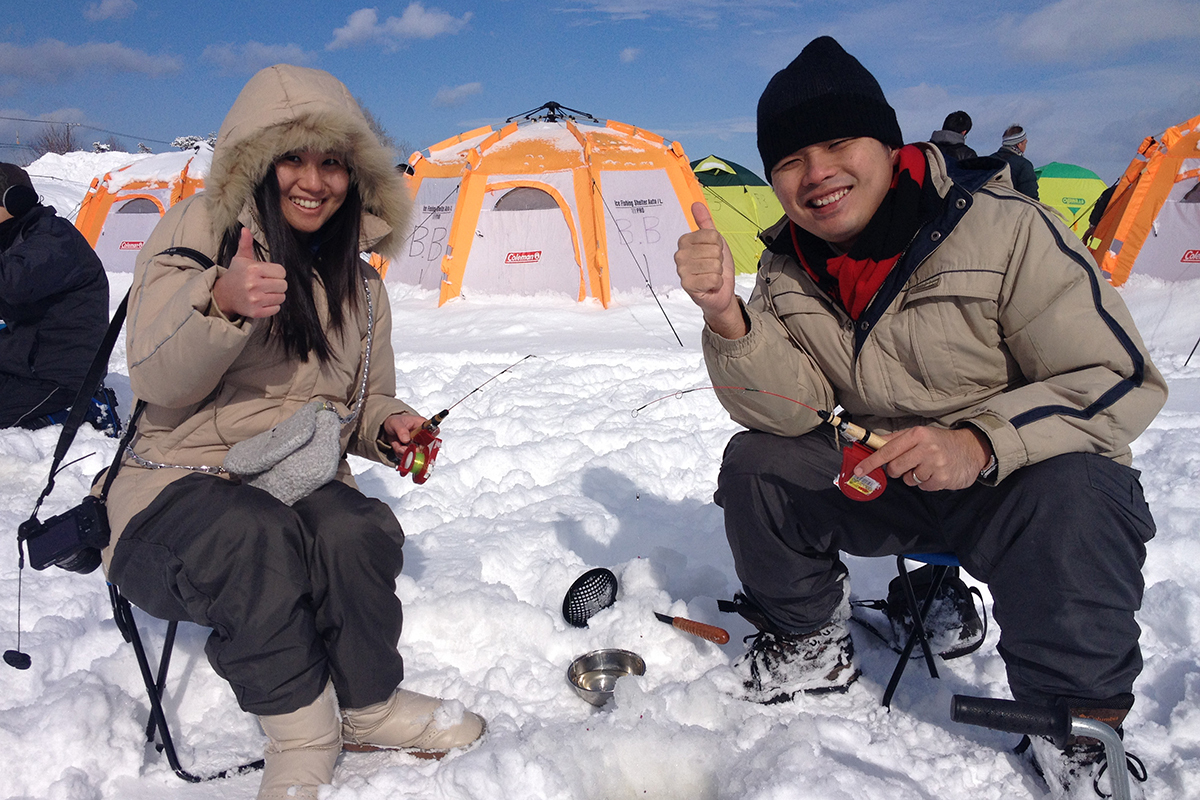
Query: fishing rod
[644,272]
[852,432]
[418,455]
[862,443]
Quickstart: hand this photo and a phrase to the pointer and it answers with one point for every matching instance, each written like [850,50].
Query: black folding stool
[157,728]
[941,563]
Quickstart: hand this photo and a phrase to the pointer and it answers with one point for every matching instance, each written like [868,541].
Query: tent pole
[1189,358]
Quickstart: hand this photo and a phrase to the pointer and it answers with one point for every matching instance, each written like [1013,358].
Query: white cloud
[51,61]
[109,9]
[630,54]
[250,57]
[416,22]
[1092,30]
[457,95]
[705,12]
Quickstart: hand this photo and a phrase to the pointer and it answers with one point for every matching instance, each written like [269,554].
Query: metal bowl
[594,675]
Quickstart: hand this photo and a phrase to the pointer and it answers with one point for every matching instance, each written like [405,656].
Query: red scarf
[854,278]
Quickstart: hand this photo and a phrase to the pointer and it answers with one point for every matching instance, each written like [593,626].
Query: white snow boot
[303,749]
[424,726]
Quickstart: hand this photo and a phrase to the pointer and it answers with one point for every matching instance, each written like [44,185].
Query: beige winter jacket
[997,318]
[210,382]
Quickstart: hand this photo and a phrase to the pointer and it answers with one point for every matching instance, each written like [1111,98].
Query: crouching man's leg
[1062,549]
[786,523]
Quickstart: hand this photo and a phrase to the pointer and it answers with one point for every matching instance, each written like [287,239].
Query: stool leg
[918,633]
[123,613]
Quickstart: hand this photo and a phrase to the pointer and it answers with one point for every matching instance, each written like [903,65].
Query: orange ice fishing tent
[1152,221]
[121,209]
[556,202]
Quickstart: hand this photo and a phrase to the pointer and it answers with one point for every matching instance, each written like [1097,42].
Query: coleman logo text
[526,257]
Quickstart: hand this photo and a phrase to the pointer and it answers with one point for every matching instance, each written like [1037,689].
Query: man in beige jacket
[964,325]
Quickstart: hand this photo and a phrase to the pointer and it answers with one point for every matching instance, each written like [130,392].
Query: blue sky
[1089,79]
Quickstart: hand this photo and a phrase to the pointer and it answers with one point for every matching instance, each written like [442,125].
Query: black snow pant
[294,595]
[1059,543]
[24,402]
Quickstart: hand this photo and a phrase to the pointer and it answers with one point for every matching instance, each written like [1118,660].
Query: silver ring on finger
[916,480]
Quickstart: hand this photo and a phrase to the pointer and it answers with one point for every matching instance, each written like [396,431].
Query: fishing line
[852,432]
[644,272]
[731,207]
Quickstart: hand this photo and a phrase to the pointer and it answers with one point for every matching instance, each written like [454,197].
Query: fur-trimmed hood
[285,108]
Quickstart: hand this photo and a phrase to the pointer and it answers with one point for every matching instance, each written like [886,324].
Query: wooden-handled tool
[710,632]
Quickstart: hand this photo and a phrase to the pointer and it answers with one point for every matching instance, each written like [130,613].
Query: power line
[88,127]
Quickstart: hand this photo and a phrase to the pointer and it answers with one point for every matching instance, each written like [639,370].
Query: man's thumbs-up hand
[705,267]
[250,288]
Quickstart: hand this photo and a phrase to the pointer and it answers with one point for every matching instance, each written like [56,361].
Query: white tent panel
[124,233]
[643,223]
[420,259]
[522,252]
[1172,250]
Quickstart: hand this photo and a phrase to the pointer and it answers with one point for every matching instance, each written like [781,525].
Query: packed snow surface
[545,473]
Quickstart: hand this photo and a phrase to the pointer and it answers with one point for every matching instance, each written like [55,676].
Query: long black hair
[331,254]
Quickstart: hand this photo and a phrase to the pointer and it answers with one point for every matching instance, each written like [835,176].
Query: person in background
[53,303]
[298,584]
[964,325]
[951,139]
[1012,150]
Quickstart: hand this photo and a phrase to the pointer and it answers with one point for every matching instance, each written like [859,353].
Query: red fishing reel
[418,455]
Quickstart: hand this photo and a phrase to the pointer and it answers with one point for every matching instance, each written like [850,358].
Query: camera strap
[95,376]
[79,408]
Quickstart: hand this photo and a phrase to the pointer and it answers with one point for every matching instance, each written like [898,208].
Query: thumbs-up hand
[705,266]
[250,288]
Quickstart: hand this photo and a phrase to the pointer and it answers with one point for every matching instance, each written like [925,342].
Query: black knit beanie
[825,93]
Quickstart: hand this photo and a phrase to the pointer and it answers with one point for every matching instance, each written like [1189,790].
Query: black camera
[72,540]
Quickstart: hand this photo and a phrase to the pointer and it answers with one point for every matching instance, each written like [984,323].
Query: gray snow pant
[1060,545]
[294,595]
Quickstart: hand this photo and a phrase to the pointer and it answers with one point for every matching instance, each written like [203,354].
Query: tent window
[1193,195]
[139,205]
[525,198]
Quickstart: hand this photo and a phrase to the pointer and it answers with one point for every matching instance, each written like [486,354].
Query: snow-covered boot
[1081,771]
[778,665]
[303,749]
[424,726]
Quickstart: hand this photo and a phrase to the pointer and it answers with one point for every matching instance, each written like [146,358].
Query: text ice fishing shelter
[743,205]
[1070,190]
[121,209]
[559,201]
[1152,221]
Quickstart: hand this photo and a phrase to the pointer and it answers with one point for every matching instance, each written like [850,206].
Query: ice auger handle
[1013,717]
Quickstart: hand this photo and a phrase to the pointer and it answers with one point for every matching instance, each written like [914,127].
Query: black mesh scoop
[592,592]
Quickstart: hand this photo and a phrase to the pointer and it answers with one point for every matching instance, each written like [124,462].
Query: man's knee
[809,462]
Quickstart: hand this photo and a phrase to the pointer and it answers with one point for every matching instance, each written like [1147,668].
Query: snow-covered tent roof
[555,202]
[122,208]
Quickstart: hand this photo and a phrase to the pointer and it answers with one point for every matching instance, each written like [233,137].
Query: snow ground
[544,474]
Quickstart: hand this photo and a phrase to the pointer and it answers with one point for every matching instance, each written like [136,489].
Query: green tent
[742,205]
[1071,191]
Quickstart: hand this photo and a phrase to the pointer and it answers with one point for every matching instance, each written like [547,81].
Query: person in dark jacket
[54,303]
[1012,150]
[951,139]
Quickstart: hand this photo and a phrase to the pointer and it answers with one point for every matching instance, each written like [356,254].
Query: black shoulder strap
[95,376]
[79,408]
[194,255]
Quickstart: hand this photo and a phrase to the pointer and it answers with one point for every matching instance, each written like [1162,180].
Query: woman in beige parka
[300,597]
